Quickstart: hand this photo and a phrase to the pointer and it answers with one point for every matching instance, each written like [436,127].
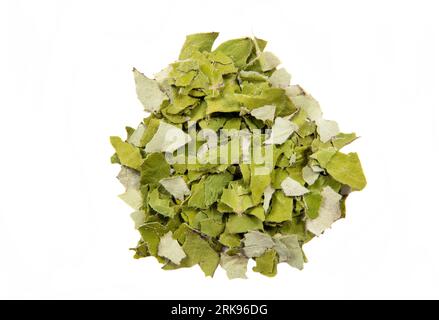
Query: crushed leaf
[231,162]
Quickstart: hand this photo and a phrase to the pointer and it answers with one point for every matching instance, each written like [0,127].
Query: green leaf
[129,178]
[197,42]
[280,78]
[235,266]
[312,202]
[343,139]
[309,175]
[258,212]
[282,208]
[268,61]
[154,168]
[239,203]
[169,248]
[265,113]
[267,263]
[239,50]
[289,250]
[151,234]
[138,218]
[230,240]
[327,129]
[292,188]
[310,105]
[256,243]
[137,137]
[199,251]
[346,169]
[198,198]
[148,92]
[160,203]
[258,183]
[243,223]
[281,131]
[128,154]
[176,186]
[133,198]
[323,156]
[329,212]
[216,183]
[212,223]
[168,138]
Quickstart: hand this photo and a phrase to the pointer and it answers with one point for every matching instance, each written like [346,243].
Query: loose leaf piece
[148,92]
[235,266]
[170,249]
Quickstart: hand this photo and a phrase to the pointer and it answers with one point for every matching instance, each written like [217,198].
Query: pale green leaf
[268,193]
[133,198]
[292,188]
[160,203]
[289,250]
[138,136]
[281,131]
[264,113]
[169,248]
[129,178]
[282,208]
[267,263]
[168,138]
[268,61]
[309,175]
[243,223]
[149,92]
[197,42]
[199,251]
[313,201]
[238,50]
[346,168]
[138,218]
[154,168]
[176,186]
[310,105]
[329,212]
[235,266]
[327,129]
[128,154]
[280,78]
[256,243]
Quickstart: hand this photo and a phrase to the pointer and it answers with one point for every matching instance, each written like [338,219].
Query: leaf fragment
[235,266]
[265,113]
[256,243]
[168,138]
[148,92]
[289,250]
[347,169]
[176,186]
[292,188]
[197,42]
[327,129]
[280,78]
[200,252]
[329,212]
[128,154]
[266,264]
[281,131]
[169,248]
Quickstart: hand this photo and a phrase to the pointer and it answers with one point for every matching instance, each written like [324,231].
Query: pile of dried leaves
[198,202]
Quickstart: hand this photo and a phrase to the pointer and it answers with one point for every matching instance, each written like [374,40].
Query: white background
[66,85]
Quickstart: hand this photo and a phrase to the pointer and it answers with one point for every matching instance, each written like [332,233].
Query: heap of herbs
[232,162]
